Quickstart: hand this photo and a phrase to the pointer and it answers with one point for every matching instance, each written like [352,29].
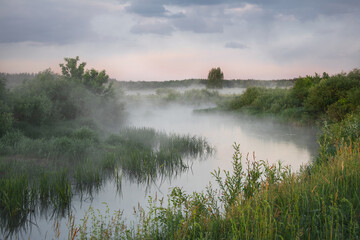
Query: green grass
[145,154]
[45,173]
[260,202]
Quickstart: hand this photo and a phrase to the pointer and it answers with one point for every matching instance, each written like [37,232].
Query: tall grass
[145,154]
[261,202]
[45,173]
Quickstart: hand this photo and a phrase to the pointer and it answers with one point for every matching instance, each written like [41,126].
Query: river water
[267,139]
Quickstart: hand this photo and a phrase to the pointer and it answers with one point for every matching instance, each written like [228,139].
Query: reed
[145,154]
[260,202]
[79,162]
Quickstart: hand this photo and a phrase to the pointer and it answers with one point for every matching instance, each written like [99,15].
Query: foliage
[92,79]
[2,88]
[232,187]
[146,154]
[269,201]
[50,142]
[49,99]
[79,162]
[34,109]
[264,100]
[6,122]
[335,135]
[328,92]
[262,202]
[189,97]
[45,98]
[188,83]
[6,116]
[315,97]
[71,68]
[15,79]
[281,205]
[301,88]
[215,78]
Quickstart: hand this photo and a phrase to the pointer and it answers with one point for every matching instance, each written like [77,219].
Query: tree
[71,70]
[92,79]
[96,81]
[215,78]
[6,118]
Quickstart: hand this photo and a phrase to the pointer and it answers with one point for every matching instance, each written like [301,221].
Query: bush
[9,141]
[6,121]
[311,98]
[301,89]
[327,92]
[340,133]
[31,108]
[86,133]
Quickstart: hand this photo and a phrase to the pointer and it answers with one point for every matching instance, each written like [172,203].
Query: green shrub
[6,122]
[327,92]
[301,88]
[12,138]
[34,109]
[86,133]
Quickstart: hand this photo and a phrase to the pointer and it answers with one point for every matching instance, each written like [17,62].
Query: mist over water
[147,92]
[267,139]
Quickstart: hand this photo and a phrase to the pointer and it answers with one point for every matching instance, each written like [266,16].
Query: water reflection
[141,155]
[140,168]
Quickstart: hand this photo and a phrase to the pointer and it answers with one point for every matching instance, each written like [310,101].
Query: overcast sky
[180,39]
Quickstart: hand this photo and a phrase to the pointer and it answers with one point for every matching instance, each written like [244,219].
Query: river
[265,138]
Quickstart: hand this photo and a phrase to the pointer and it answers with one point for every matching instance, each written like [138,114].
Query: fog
[147,92]
[265,138]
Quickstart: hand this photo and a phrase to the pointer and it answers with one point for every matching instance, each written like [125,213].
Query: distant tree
[71,68]
[6,118]
[96,81]
[92,79]
[2,87]
[215,78]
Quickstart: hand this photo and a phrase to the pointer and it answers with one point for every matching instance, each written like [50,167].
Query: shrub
[85,133]
[328,92]
[31,108]
[6,121]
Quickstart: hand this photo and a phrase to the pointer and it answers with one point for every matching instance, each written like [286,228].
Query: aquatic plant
[262,202]
[145,154]
[79,163]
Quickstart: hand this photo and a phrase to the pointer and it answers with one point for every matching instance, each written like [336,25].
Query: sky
[155,40]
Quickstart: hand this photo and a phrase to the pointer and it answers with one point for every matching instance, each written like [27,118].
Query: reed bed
[146,154]
[44,174]
[260,202]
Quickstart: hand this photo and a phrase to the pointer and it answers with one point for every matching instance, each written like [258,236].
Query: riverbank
[265,201]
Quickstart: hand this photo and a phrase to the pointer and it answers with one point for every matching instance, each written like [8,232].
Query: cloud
[244,9]
[308,9]
[44,21]
[148,8]
[159,27]
[202,19]
[280,32]
[235,45]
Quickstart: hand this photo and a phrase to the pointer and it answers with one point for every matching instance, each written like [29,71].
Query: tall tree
[71,68]
[92,79]
[215,78]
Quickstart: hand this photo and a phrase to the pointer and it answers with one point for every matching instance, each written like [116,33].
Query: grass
[260,202]
[45,173]
[145,154]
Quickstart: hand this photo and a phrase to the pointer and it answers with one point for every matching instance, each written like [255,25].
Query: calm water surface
[269,140]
